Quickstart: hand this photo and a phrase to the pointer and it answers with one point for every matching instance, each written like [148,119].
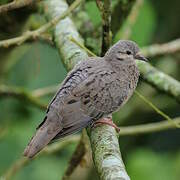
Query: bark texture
[71,54]
[160,80]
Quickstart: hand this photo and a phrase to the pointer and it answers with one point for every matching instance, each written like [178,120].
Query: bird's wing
[89,100]
[64,115]
[99,92]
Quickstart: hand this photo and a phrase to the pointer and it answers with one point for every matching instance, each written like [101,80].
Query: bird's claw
[107,121]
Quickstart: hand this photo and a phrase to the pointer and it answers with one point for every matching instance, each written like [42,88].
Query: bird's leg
[107,121]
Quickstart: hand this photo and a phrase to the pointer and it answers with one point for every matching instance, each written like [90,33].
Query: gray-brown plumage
[93,89]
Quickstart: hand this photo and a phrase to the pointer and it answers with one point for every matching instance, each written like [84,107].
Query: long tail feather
[43,136]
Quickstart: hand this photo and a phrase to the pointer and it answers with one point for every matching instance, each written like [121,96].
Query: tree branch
[106,153]
[72,54]
[34,34]
[49,90]
[160,80]
[64,31]
[148,128]
[105,11]
[21,93]
[162,49]
[16,4]
[77,156]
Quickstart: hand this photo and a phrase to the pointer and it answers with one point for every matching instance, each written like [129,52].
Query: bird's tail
[44,134]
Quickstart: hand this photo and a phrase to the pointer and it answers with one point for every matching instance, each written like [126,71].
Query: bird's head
[124,50]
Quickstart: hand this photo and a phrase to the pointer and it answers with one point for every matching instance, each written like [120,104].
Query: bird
[92,90]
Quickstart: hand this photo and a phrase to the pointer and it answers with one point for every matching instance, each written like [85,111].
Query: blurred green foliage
[143,30]
[35,65]
[146,164]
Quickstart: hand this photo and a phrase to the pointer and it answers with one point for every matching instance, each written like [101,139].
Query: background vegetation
[36,64]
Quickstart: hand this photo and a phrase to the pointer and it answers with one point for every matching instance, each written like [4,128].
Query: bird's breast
[122,89]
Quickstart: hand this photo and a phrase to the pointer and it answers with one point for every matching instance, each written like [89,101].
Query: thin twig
[82,46]
[105,10]
[148,128]
[156,109]
[21,94]
[40,92]
[153,50]
[22,162]
[16,4]
[35,33]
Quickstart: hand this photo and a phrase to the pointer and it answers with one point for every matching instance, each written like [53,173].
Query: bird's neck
[129,69]
[119,65]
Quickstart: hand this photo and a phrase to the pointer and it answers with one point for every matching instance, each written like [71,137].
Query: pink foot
[107,121]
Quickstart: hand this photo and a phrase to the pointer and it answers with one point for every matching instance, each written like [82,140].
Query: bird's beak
[140,57]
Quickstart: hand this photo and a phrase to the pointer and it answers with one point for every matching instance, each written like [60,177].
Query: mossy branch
[72,54]
[160,80]
[16,4]
[106,153]
[105,11]
[35,33]
[171,47]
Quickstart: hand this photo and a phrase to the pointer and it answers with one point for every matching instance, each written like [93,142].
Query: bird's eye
[128,52]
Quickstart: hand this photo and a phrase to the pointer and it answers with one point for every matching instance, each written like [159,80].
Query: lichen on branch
[70,55]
